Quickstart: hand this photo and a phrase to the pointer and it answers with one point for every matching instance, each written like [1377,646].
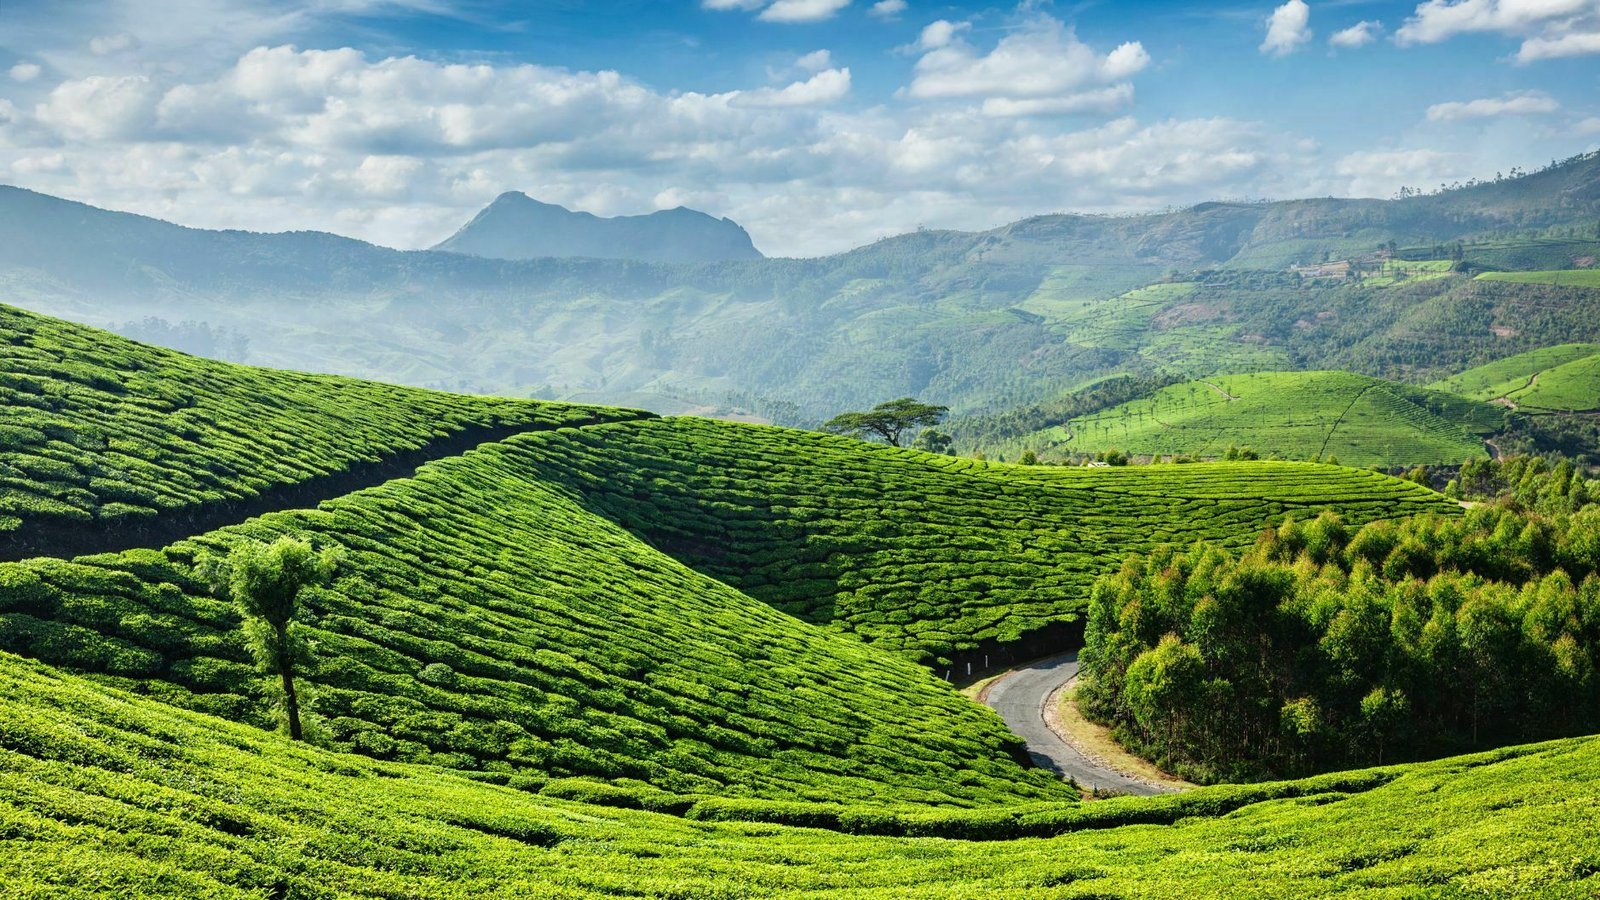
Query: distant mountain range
[977,321]
[516,226]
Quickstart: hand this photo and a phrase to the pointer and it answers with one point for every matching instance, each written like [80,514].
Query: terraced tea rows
[109,794]
[488,622]
[98,429]
[922,554]
[1297,415]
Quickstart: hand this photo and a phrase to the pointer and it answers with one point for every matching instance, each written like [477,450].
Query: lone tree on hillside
[267,580]
[889,421]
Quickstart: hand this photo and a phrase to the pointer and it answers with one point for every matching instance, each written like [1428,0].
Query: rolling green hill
[922,554]
[1562,378]
[1298,415]
[105,793]
[499,612]
[96,430]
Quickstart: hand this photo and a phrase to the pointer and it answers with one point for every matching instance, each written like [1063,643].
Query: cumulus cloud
[940,33]
[1381,173]
[1356,36]
[815,61]
[888,9]
[1041,67]
[1288,28]
[1549,28]
[101,106]
[24,72]
[828,86]
[401,150]
[1528,103]
[783,10]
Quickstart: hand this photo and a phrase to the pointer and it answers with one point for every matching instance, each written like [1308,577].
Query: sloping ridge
[65,540]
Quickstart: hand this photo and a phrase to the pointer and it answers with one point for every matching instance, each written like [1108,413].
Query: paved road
[1020,696]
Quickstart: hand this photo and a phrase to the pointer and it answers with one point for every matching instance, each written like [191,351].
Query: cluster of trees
[1326,646]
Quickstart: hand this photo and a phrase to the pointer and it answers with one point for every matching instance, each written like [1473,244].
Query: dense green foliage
[94,427]
[1326,646]
[1296,415]
[267,581]
[889,422]
[485,620]
[918,553]
[108,794]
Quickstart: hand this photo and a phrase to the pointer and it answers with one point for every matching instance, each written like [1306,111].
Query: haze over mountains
[973,320]
[516,226]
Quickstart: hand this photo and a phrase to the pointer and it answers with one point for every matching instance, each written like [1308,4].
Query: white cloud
[105,45]
[888,9]
[1517,104]
[101,106]
[1578,43]
[1356,36]
[1588,126]
[1040,67]
[1288,28]
[24,72]
[802,10]
[815,61]
[1382,173]
[1550,29]
[829,86]
[940,33]
[402,150]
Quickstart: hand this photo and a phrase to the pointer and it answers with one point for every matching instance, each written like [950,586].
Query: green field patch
[1588,278]
[1296,415]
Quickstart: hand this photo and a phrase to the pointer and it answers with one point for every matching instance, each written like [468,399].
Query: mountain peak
[516,226]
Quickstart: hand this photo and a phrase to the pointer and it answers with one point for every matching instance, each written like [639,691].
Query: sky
[819,125]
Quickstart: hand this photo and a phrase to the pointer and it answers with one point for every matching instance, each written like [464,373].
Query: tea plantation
[631,658]
[95,428]
[1296,415]
[917,553]
[104,793]
[1563,378]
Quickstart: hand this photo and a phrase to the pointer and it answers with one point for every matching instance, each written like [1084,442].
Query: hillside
[498,611]
[183,805]
[1561,378]
[515,226]
[978,321]
[1296,415]
[923,554]
[101,433]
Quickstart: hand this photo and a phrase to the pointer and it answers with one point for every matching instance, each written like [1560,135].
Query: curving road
[1021,697]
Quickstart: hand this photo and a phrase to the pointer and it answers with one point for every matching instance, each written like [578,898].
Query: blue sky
[818,124]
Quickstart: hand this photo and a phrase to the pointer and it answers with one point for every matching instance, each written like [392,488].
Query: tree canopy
[890,421]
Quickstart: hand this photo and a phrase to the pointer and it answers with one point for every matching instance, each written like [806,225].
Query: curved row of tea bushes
[98,428]
[104,793]
[924,554]
[485,621]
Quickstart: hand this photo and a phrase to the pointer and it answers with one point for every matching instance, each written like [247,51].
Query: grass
[1561,378]
[104,793]
[1298,415]
[95,428]
[1589,278]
